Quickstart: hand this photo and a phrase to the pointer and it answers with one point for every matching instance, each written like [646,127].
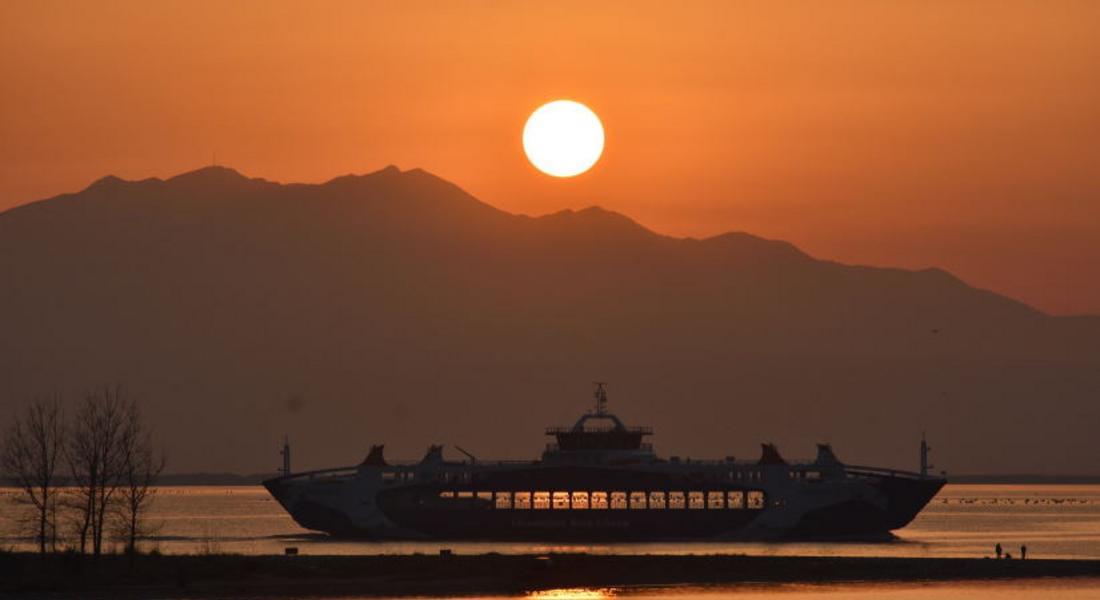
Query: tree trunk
[42,517]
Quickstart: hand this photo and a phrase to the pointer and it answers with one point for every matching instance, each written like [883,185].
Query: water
[1055,521]
[1015,590]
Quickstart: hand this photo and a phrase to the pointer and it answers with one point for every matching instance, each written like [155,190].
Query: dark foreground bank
[431,575]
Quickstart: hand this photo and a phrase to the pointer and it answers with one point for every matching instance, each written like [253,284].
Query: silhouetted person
[998,549]
[1023,552]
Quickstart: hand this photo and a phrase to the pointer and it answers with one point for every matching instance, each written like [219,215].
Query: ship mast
[601,398]
[285,452]
[924,450]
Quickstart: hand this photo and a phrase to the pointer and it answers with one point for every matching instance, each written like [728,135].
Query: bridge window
[504,500]
[618,499]
[657,500]
[716,500]
[580,500]
[695,500]
[735,499]
[755,499]
[599,500]
[541,500]
[561,500]
[522,500]
[637,500]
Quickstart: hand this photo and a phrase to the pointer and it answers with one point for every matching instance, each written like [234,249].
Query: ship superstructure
[600,480]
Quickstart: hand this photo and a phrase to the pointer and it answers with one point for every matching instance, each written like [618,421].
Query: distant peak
[107,181]
[387,172]
[209,174]
[598,214]
[745,242]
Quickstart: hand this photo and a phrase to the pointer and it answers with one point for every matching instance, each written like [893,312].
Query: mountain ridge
[395,307]
[222,174]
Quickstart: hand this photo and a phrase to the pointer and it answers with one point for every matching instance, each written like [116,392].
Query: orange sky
[959,134]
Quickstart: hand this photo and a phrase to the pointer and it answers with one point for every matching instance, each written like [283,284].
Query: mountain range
[395,308]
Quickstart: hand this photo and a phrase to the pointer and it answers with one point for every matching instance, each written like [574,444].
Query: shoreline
[168,576]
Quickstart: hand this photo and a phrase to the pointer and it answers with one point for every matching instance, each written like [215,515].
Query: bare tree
[140,465]
[95,461]
[30,455]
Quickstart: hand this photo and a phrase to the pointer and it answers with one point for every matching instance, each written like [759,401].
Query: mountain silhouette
[395,308]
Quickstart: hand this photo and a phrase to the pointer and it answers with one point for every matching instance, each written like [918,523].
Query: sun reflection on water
[573,594]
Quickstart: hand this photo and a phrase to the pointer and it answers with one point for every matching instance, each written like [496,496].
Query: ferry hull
[851,510]
[858,517]
[601,482]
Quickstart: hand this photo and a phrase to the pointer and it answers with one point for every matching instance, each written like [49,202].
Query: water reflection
[573,594]
[1035,589]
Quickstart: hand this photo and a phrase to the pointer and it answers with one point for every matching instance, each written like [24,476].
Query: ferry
[601,481]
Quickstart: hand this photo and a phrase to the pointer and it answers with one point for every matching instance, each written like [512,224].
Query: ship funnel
[769,455]
[434,455]
[374,457]
[825,455]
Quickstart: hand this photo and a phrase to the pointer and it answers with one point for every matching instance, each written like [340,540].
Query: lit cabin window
[676,500]
[580,500]
[446,494]
[541,500]
[523,500]
[389,476]
[561,500]
[695,500]
[503,500]
[637,500]
[618,499]
[486,496]
[599,500]
[716,500]
[735,499]
[755,499]
[657,500]
[465,494]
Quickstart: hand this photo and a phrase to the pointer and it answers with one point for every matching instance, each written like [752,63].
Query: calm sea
[1055,521]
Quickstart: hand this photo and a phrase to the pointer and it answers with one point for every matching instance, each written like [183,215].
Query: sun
[563,138]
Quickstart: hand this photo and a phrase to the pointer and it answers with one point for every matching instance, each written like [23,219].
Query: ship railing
[642,430]
[641,447]
[399,466]
[880,472]
[333,473]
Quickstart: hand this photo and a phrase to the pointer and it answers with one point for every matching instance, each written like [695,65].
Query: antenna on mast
[285,452]
[924,450]
[601,398]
